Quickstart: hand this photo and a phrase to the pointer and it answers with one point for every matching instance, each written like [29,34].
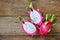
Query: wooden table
[11,9]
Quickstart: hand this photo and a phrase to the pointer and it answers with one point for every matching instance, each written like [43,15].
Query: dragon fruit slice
[28,27]
[35,16]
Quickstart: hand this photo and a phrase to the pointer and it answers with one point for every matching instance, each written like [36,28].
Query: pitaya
[46,27]
[28,27]
[35,16]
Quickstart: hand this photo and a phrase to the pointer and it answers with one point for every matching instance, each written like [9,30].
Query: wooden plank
[13,7]
[18,7]
[16,37]
[48,6]
[9,27]
[20,38]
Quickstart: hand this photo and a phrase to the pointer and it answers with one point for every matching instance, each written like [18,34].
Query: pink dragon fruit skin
[38,12]
[45,29]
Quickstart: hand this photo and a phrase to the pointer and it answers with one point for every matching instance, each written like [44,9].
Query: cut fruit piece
[29,28]
[35,16]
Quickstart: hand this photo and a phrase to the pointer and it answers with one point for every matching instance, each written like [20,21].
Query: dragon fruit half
[28,27]
[35,15]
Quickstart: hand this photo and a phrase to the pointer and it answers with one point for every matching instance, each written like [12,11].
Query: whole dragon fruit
[46,27]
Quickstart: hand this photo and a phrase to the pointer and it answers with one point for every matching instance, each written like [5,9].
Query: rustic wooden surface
[10,9]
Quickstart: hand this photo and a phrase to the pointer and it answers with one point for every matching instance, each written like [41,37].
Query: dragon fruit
[46,27]
[35,15]
[28,27]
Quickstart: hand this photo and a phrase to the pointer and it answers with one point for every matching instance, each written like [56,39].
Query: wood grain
[10,9]
[8,26]
[18,7]
[16,37]
[20,38]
